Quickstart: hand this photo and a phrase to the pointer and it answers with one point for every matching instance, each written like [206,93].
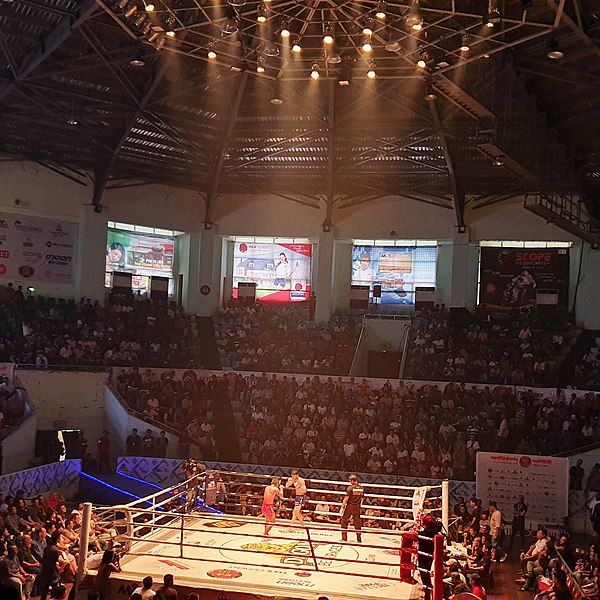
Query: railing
[166,522]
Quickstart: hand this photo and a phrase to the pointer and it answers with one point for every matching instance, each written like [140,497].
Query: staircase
[226,437]
[208,343]
[585,341]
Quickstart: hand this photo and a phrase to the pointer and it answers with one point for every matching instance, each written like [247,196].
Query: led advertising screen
[140,254]
[282,272]
[512,277]
[398,269]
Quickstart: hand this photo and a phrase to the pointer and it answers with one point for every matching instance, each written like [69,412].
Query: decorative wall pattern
[60,476]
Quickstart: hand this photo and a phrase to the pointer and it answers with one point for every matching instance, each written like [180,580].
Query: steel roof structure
[448,102]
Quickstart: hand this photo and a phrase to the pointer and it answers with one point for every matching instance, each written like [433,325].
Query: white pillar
[446,504]
[86,519]
[209,290]
[92,255]
[324,277]
[189,266]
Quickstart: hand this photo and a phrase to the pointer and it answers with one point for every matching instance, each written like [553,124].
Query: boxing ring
[228,557]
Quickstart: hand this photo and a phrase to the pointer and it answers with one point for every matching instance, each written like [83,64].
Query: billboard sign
[38,250]
[398,269]
[281,272]
[512,277]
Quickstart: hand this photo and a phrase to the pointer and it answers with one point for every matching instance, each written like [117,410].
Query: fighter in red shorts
[272,492]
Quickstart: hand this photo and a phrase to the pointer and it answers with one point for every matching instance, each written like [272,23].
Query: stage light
[314,72]
[494,16]
[417,27]
[393,43]
[465,47]
[368,28]
[153,36]
[367,46]
[237,3]
[553,51]
[372,72]
[333,57]
[212,54]
[230,26]
[296,47]
[130,10]
[381,9]
[160,43]
[261,16]
[430,95]
[414,18]
[149,6]
[137,60]
[260,64]
[285,30]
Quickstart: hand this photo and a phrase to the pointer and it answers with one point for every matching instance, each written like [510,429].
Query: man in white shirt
[529,559]
[496,532]
[145,590]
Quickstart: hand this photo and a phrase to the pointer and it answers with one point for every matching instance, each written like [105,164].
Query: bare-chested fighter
[272,492]
[300,485]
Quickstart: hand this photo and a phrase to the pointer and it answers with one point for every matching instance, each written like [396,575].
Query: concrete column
[323,281]
[92,255]
[188,247]
[210,273]
[460,261]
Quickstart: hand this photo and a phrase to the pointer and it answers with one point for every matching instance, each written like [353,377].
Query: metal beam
[330,154]
[48,45]
[457,191]
[105,167]
[218,173]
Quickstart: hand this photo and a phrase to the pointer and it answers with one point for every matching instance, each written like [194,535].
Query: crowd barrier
[59,476]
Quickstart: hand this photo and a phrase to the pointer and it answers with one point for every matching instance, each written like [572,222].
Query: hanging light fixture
[237,3]
[296,47]
[260,64]
[372,72]
[494,16]
[465,46]
[314,72]
[423,60]
[149,6]
[333,57]
[285,29]
[230,26]
[553,51]
[414,18]
[368,28]
[211,52]
[271,49]
[381,9]
[138,59]
[261,15]
[130,10]
[367,46]
[328,35]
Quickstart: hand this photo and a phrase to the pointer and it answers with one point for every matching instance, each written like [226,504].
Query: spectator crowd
[127,331]
[519,351]
[282,339]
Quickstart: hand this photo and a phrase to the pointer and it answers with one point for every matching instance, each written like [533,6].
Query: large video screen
[141,254]
[511,277]
[282,272]
[398,269]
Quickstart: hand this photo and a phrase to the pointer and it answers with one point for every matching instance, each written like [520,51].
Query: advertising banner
[33,249]
[399,270]
[511,277]
[282,272]
[140,254]
[542,480]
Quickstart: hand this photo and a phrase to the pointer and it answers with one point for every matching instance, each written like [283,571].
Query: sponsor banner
[37,250]
[398,270]
[140,254]
[512,277]
[59,476]
[542,480]
[282,272]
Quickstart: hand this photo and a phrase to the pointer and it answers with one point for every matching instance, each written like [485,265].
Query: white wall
[46,194]
[76,398]
[18,448]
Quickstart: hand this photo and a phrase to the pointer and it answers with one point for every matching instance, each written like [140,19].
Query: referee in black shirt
[351,507]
